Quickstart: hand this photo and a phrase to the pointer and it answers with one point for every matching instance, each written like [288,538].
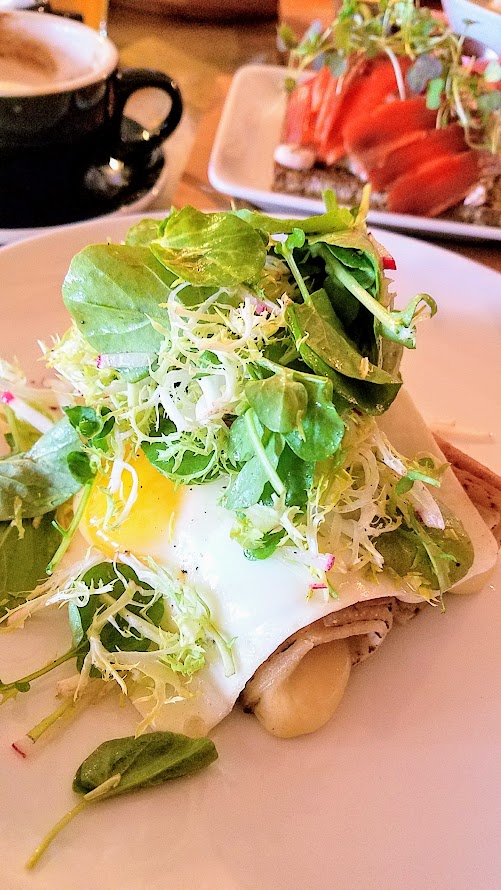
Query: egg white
[259,604]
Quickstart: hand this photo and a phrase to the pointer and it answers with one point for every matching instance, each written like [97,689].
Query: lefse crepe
[362,615]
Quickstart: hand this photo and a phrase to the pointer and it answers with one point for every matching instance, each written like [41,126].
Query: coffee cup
[62,121]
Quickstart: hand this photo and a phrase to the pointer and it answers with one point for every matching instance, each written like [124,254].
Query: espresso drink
[26,64]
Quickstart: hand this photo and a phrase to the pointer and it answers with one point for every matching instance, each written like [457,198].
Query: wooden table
[204,57]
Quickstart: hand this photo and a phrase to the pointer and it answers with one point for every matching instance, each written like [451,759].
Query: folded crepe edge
[365,625]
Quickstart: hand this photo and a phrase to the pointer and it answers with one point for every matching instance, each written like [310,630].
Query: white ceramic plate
[400,791]
[241,163]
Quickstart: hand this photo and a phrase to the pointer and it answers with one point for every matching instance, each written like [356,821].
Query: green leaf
[297,475]
[279,402]
[80,467]
[210,248]
[189,465]
[434,93]
[326,337]
[127,764]
[247,487]
[266,546]
[322,427]
[23,560]
[336,219]
[240,446]
[355,251]
[41,478]
[441,557]
[81,617]
[114,292]
[144,761]
[143,233]
[85,420]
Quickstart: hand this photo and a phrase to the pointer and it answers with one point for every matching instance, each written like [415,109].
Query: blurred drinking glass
[91,12]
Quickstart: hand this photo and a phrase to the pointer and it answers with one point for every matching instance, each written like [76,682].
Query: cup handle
[129,80]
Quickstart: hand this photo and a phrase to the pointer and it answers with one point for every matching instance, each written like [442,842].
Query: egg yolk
[150,519]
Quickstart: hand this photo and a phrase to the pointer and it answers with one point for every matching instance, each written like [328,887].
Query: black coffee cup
[62,122]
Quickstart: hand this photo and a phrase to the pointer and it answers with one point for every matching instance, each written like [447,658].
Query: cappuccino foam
[29,65]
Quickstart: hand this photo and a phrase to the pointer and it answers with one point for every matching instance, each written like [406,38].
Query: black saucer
[105,189]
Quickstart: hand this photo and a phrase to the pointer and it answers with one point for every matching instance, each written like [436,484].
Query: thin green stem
[45,724]
[40,850]
[70,531]
[7,689]
[363,296]
[296,273]
[260,453]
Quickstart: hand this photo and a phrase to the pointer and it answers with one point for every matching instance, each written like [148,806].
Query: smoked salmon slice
[368,139]
[430,145]
[297,121]
[365,90]
[434,186]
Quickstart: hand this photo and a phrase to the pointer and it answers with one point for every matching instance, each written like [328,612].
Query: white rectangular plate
[241,163]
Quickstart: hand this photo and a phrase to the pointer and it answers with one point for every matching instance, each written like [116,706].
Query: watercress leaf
[210,248]
[114,292]
[81,616]
[441,556]
[266,546]
[240,446]
[322,427]
[434,93]
[143,233]
[297,475]
[84,419]
[144,761]
[247,487]
[80,467]
[336,219]
[296,239]
[191,467]
[354,250]
[41,477]
[279,402]
[327,338]
[366,397]
[23,560]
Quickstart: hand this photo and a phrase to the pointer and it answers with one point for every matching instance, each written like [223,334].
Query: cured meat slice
[368,139]
[364,91]
[297,121]
[434,186]
[430,145]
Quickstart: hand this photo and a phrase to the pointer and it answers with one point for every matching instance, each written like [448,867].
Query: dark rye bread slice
[348,189]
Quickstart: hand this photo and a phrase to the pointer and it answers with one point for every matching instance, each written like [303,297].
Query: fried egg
[258,604]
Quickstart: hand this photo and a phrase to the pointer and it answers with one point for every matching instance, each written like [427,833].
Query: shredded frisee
[144,628]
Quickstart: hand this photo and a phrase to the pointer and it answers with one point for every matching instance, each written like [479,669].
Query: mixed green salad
[226,346]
